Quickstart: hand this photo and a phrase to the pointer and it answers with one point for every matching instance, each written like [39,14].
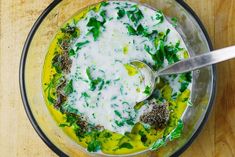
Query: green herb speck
[121,123]
[126,145]
[159,143]
[114,98]
[104,3]
[177,131]
[147,90]
[71,52]
[95,27]
[94,146]
[79,45]
[118,113]
[103,14]
[135,15]
[174,21]
[121,13]
[159,16]
[93,115]
[85,95]
[68,89]
[131,30]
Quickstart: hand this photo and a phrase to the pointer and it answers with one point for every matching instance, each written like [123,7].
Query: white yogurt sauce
[106,59]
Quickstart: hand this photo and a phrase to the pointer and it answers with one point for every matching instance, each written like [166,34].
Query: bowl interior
[35,51]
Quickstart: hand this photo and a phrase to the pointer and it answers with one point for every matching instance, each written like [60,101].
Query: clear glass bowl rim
[23,89]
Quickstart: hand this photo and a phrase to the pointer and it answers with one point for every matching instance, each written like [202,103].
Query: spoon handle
[200,61]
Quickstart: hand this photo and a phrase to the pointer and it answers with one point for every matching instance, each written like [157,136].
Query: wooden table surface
[18,137]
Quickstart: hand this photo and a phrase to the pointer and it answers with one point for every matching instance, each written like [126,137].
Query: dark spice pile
[157,117]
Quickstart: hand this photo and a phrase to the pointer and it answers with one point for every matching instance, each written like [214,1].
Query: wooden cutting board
[18,138]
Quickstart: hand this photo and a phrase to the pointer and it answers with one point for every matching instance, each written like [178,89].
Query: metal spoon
[183,66]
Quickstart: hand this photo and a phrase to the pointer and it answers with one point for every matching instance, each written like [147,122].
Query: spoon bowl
[150,77]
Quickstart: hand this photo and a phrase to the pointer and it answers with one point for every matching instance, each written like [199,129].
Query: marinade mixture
[91,89]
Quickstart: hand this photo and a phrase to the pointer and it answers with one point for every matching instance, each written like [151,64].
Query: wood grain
[18,138]
[225,107]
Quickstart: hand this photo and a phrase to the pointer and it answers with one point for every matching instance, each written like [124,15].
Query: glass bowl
[35,50]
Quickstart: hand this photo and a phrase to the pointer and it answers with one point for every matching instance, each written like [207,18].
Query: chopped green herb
[114,105]
[185,99]
[116,80]
[121,13]
[50,98]
[94,146]
[190,103]
[95,26]
[160,53]
[66,108]
[119,123]
[70,120]
[159,56]
[103,14]
[129,122]
[171,52]
[159,16]
[71,52]
[183,86]
[147,49]
[174,96]
[126,145]
[95,32]
[159,143]
[124,102]
[131,30]
[85,95]
[143,137]
[118,113]
[68,89]
[94,82]
[108,82]
[50,88]
[135,15]
[88,72]
[107,135]
[104,3]
[177,131]
[147,90]
[174,21]
[101,84]
[111,18]
[122,90]
[63,125]
[162,35]
[60,41]
[79,45]
[114,97]
[56,63]
[151,35]
[139,31]
[70,30]
[185,79]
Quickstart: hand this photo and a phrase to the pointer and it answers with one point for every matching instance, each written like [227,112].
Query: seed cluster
[157,117]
